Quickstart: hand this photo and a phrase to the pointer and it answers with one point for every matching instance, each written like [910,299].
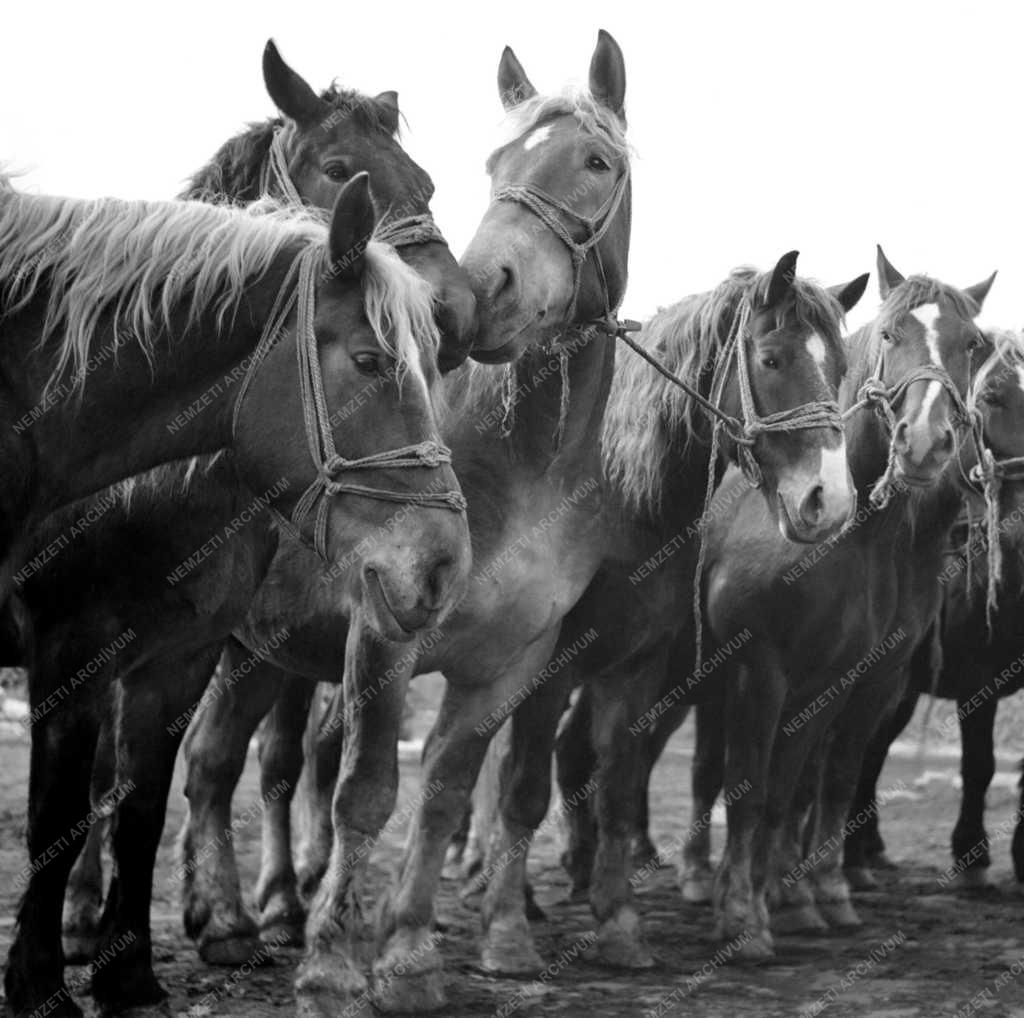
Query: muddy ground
[945,948]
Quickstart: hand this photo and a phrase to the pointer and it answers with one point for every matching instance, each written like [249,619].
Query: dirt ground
[923,950]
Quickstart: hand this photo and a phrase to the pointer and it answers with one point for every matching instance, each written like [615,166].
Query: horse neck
[137,412]
[539,407]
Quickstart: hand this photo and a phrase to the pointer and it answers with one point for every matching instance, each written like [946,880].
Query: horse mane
[648,418]
[235,172]
[139,259]
[577,102]
[143,260]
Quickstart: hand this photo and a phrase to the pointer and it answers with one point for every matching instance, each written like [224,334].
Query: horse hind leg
[325,738]
[575,763]
[215,751]
[147,738]
[696,874]
[282,914]
[971,858]
[864,848]
[524,787]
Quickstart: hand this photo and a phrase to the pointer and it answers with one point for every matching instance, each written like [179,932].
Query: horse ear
[608,74]
[514,86]
[782,279]
[979,291]
[888,277]
[387,107]
[352,224]
[289,92]
[849,293]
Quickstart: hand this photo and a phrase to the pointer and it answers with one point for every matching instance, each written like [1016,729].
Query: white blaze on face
[537,137]
[927,315]
[835,475]
[819,354]
[1020,377]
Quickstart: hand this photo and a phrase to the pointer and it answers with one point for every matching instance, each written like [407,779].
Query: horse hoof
[231,950]
[860,878]
[644,856]
[283,933]
[408,993]
[696,888]
[620,943]
[160,1010]
[753,951]
[881,861]
[327,1005]
[798,919]
[974,878]
[80,946]
[839,914]
[508,949]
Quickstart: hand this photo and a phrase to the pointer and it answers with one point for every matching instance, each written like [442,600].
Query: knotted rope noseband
[331,467]
[986,478]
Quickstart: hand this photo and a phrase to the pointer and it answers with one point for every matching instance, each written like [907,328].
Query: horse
[303,156]
[980,645]
[548,266]
[810,661]
[208,602]
[657,450]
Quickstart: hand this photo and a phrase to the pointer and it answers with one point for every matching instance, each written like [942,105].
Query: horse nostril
[812,509]
[439,582]
[899,437]
[504,284]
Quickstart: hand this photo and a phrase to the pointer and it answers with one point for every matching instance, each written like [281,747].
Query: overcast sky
[759,127]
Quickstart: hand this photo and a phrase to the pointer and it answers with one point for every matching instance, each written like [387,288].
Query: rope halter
[551,210]
[986,478]
[331,467]
[883,398]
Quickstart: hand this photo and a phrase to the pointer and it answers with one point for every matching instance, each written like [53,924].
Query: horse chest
[526,581]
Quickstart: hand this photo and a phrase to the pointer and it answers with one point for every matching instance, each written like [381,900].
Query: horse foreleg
[215,749]
[325,736]
[376,677]
[696,876]
[971,858]
[408,973]
[851,733]
[58,820]
[147,741]
[752,711]
[282,915]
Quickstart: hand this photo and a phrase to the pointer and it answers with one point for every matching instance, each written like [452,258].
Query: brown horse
[829,632]
[183,602]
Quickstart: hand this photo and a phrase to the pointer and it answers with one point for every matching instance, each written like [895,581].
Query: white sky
[759,127]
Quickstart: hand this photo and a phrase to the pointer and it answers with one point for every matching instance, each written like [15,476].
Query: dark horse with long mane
[980,628]
[200,542]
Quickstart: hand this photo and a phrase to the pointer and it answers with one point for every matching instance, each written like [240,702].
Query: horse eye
[887,336]
[367,363]
[597,164]
[770,362]
[336,172]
